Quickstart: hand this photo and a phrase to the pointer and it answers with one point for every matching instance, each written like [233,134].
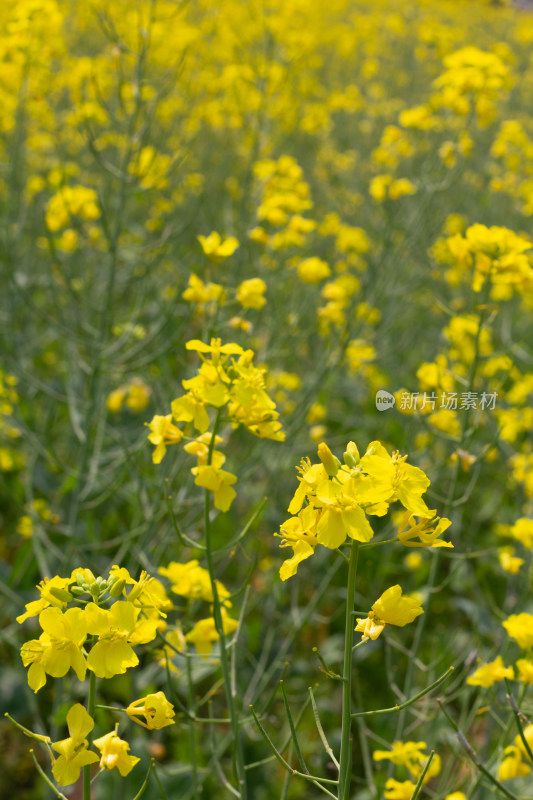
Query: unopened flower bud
[77,590]
[61,594]
[331,463]
[117,588]
[135,592]
[351,455]
[84,577]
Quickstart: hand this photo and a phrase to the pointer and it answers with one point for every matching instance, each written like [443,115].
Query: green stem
[420,781]
[91,705]
[517,716]
[407,703]
[192,731]
[219,625]
[345,759]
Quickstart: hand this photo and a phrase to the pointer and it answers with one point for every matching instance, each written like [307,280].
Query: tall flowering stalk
[228,388]
[331,507]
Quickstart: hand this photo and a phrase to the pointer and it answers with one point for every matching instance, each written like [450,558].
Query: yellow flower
[47,587]
[250,293]
[201,293]
[399,790]
[410,755]
[525,670]
[191,580]
[155,708]
[204,632]
[358,353]
[456,796]
[522,531]
[427,530]
[488,674]
[217,481]
[216,248]
[300,534]
[73,752]
[391,608]
[146,593]
[408,483]
[115,753]
[508,561]
[189,408]
[520,628]
[117,629]
[58,647]
[138,396]
[512,765]
[115,400]
[163,432]
[313,270]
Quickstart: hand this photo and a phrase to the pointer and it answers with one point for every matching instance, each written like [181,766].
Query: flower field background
[266,382]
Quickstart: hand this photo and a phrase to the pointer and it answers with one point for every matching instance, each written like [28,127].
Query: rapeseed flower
[162,433]
[50,596]
[399,790]
[73,752]
[117,629]
[520,628]
[155,708]
[426,530]
[204,633]
[58,648]
[192,581]
[512,766]
[250,293]
[114,752]
[216,248]
[410,755]
[392,608]
[525,670]
[488,674]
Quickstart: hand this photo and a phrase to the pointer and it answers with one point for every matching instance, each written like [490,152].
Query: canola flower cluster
[112,618]
[236,386]
[333,500]
[90,636]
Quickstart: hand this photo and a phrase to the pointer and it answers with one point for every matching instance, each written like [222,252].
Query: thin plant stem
[91,705]
[219,625]
[320,730]
[409,702]
[422,776]
[191,726]
[517,716]
[312,778]
[345,760]
[145,782]
[45,778]
[293,730]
